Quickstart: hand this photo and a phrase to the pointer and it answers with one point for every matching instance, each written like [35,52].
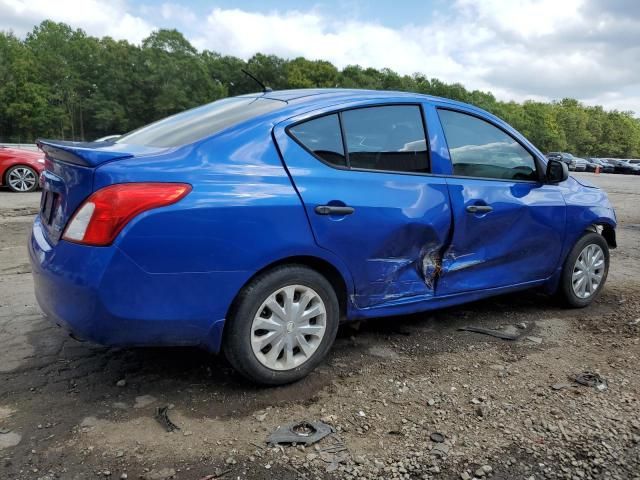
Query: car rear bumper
[102,295]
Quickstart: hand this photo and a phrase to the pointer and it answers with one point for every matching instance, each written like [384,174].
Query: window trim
[536,160]
[348,167]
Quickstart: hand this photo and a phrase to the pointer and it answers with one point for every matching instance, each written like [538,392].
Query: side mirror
[557,171]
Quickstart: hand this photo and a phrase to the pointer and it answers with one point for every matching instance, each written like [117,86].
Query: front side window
[323,137]
[479,149]
[386,138]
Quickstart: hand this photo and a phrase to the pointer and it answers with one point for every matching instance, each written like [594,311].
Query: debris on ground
[590,379]
[144,401]
[437,437]
[561,386]
[162,416]
[216,475]
[334,454]
[303,432]
[537,340]
[488,331]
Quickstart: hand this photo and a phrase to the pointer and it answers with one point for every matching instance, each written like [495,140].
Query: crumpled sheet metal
[304,432]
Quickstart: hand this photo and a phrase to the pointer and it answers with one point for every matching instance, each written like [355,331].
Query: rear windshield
[200,122]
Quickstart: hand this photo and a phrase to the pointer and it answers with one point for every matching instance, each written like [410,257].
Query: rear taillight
[101,217]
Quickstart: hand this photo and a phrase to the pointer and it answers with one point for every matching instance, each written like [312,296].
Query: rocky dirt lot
[409,397]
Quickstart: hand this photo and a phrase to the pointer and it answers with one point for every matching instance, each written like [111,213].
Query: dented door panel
[518,241]
[393,238]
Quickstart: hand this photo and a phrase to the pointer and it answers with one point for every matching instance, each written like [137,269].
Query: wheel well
[607,231]
[321,266]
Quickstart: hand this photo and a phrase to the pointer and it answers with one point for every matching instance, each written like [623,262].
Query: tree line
[58,82]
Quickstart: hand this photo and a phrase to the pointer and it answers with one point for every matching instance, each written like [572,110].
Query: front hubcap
[22,179]
[288,328]
[588,271]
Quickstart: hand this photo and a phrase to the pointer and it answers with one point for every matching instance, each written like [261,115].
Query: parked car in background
[591,164]
[579,164]
[20,169]
[255,224]
[565,157]
[635,168]
[604,166]
[620,166]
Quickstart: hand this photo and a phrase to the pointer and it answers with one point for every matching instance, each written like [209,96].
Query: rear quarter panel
[242,215]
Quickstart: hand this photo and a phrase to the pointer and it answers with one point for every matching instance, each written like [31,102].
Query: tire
[572,295]
[255,307]
[21,179]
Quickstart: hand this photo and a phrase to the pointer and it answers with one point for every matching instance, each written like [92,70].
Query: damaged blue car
[254,225]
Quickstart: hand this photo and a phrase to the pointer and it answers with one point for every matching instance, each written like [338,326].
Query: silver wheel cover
[22,179]
[588,271]
[288,327]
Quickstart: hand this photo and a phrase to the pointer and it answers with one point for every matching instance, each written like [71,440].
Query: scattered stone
[162,474]
[561,386]
[9,440]
[261,416]
[440,450]
[437,437]
[144,401]
[521,325]
[121,383]
[465,476]
[536,340]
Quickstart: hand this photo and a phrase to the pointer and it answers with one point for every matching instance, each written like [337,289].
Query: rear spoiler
[86,154]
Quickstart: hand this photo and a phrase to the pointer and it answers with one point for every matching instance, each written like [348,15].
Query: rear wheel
[585,270]
[282,325]
[22,179]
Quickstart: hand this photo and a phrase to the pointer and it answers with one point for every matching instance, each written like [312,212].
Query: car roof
[329,96]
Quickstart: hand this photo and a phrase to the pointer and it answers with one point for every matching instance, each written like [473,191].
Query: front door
[508,225]
[363,175]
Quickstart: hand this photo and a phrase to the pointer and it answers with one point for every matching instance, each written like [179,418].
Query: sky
[517,49]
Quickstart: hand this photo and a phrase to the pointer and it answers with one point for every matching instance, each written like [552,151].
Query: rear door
[508,225]
[363,176]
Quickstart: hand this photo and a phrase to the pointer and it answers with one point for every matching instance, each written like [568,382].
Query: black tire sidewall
[237,330]
[566,287]
[35,173]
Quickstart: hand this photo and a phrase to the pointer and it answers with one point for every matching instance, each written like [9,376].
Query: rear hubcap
[288,328]
[22,179]
[588,271]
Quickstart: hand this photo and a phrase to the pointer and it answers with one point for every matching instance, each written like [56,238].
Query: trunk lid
[68,177]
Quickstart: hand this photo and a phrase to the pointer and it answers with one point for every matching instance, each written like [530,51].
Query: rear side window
[197,123]
[323,137]
[479,149]
[386,138]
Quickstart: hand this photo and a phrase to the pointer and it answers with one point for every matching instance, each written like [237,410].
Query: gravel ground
[502,409]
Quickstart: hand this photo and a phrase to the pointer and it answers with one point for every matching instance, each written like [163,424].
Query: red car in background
[20,169]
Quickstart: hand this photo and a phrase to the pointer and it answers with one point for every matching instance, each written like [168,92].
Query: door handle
[333,210]
[479,208]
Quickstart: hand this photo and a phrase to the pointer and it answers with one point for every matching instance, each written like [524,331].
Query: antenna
[265,89]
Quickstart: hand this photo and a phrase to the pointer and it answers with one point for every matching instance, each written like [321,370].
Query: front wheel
[282,325]
[22,179]
[585,270]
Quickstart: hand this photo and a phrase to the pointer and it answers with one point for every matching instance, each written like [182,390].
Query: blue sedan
[254,225]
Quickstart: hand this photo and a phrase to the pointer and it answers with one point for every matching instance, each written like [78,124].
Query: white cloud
[96,17]
[517,49]
[540,49]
